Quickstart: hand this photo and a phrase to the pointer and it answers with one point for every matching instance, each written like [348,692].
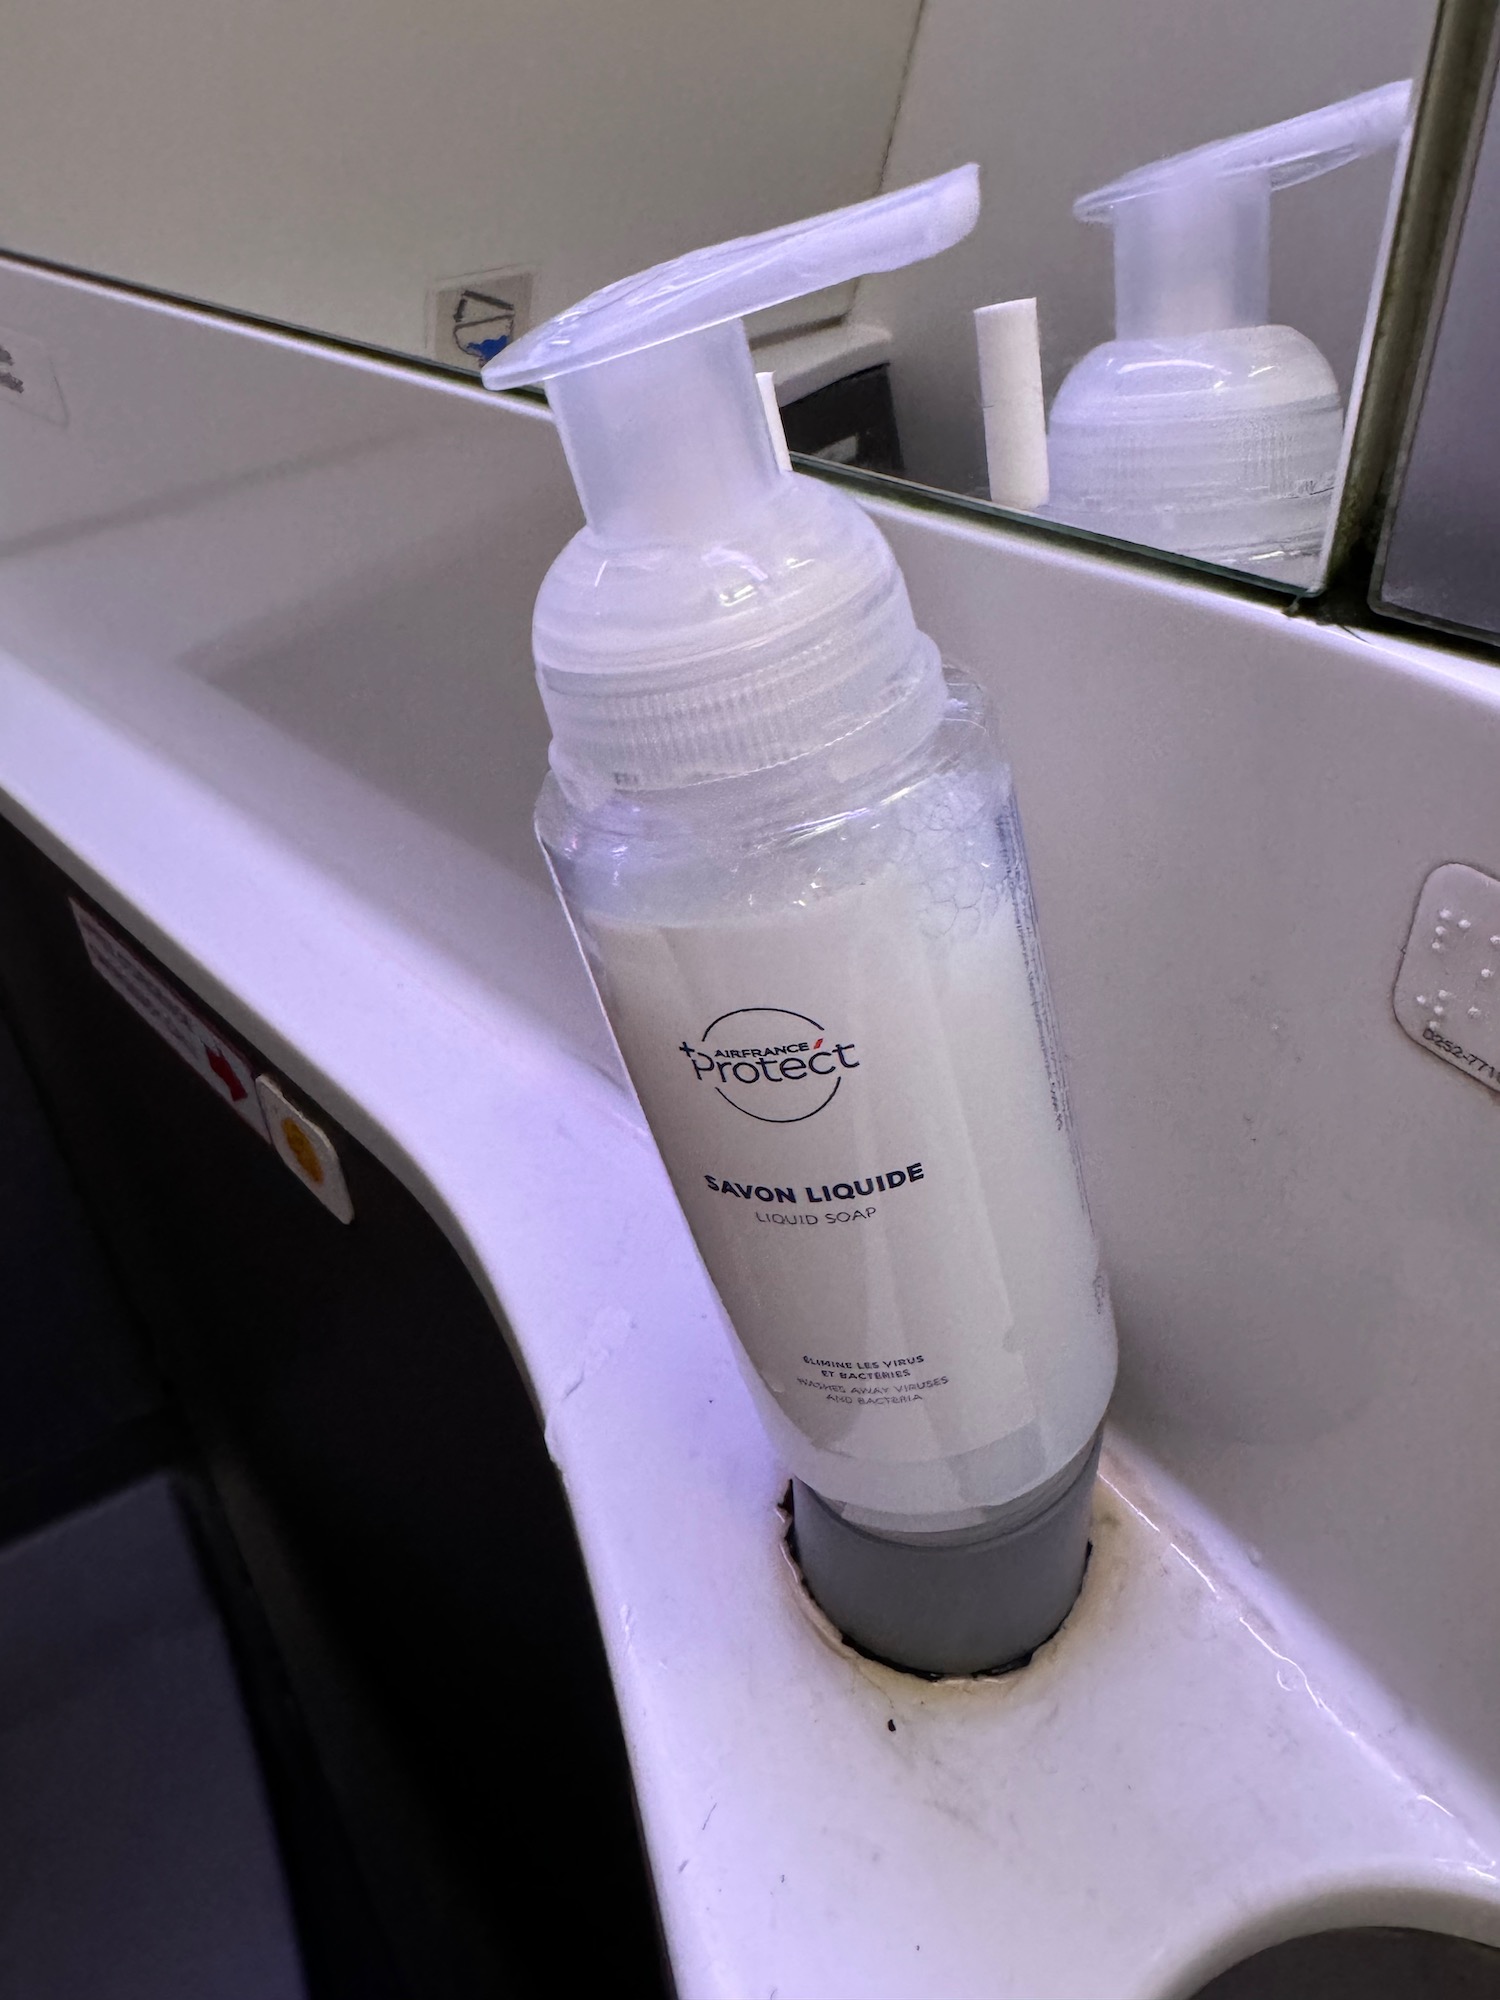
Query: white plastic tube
[765,381]
[1010,390]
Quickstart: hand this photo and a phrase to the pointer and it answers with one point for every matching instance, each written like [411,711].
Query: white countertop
[264,690]
[1190,1770]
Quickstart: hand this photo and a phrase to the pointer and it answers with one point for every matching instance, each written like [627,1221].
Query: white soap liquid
[858,1098]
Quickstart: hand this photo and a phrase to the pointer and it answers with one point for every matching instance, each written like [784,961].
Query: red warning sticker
[197,1041]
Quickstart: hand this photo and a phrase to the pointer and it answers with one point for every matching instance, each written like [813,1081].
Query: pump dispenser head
[1193,233]
[650,378]
[1192,285]
[718,616]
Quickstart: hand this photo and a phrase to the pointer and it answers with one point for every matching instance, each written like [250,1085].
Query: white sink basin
[1230,814]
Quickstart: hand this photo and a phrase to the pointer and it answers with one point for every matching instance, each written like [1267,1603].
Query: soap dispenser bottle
[790,853]
[1201,428]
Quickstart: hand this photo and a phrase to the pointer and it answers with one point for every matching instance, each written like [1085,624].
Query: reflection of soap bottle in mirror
[1201,428]
[790,852]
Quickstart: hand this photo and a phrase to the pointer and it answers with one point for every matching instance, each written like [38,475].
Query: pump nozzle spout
[651,379]
[1193,233]
[667,440]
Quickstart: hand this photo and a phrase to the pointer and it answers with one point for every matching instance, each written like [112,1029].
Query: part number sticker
[1447,995]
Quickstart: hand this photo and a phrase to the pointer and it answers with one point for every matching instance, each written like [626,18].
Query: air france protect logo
[775,1065]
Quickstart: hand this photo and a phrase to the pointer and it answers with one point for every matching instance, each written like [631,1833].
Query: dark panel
[100,1779]
[71,1371]
[138,1859]
[848,422]
[1439,561]
[385,1477]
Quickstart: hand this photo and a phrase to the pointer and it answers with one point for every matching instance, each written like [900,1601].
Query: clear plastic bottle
[791,854]
[923,1350]
[1200,427]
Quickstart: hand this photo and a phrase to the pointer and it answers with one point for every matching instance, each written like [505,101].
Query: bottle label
[814,1087]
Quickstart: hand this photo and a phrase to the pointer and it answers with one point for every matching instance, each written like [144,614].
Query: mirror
[1169,439]
[430,180]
